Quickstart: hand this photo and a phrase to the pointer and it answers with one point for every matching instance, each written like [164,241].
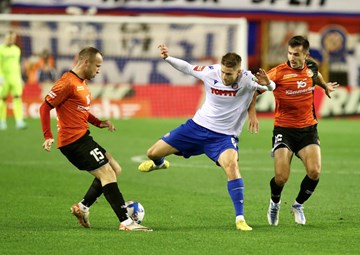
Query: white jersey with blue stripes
[225,107]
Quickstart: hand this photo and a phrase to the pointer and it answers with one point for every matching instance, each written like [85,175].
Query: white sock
[127,222]
[83,207]
[239,218]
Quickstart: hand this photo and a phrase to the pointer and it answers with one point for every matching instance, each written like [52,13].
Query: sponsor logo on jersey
[235,86]
[309,73]
[300,91]
[301,84]
[221,92]
[52,94]
[291,75]
[80,88]
[199,68]
[83,108]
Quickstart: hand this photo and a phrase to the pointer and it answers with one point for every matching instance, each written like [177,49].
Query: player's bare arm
[253,125]
[328,87]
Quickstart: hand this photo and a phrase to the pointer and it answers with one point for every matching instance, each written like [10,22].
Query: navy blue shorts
[191,139]
[85,153]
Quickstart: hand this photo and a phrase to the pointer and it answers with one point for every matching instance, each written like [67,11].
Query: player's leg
[115,198]
[114,164]
[95,189]
[4,90]
[311,157]
[228,160]
[157,153]
[16,92]
[282,159]
[179,139]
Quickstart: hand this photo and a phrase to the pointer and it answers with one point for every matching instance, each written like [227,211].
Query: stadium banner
[194,7]
[164,101]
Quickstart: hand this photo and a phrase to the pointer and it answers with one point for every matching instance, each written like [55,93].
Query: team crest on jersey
[309,73]
[199,68]
[80,88]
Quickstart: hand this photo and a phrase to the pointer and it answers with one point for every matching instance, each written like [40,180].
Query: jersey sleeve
[44,110]
[187,68]
[93,120]
[59,93]
[313,66]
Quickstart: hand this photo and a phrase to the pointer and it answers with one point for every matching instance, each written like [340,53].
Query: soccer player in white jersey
[215,128]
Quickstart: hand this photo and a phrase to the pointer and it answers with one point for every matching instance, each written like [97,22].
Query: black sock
[93,193]
[307,187]
[116,200]
[275,191]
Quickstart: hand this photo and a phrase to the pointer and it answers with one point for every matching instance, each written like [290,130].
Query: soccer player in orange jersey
[295,126]
[71,98]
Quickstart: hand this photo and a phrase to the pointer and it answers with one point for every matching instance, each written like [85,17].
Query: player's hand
[108,124]
[164,51]
[330,87]
[253,127]
[47,144]
[262,77]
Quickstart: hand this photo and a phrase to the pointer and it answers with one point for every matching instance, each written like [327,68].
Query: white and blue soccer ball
[135,210]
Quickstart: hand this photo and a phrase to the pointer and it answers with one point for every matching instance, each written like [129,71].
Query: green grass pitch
[187,205]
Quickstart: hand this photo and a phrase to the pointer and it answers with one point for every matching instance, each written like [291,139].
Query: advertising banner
[230,6]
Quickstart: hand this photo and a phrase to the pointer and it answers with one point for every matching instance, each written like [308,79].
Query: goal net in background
[134,81]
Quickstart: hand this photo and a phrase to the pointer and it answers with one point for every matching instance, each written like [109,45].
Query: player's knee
[117,169]
[314,170]
[314,174]
[281,179]
[106,175]
[152,153]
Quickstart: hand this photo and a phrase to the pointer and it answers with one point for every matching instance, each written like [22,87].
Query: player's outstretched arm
[327,86]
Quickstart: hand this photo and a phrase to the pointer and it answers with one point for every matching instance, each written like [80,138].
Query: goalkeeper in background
[11,81]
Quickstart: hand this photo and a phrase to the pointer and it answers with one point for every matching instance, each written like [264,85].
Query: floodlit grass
[187,205]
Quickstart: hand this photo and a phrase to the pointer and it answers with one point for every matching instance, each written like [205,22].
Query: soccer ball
[135,210]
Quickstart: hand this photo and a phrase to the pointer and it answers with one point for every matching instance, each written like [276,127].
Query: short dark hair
[231,59]
[88,52]
[299,40]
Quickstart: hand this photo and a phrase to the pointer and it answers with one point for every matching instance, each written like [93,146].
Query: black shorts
[85,153]
[294,138]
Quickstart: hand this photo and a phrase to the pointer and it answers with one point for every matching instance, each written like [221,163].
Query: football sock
[116,200]
[275,191]
[236,191]
[18,108]
[307,187]
[159,162]
[93,193]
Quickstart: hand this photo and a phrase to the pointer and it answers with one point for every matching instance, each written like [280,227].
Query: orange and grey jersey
[71,98]
[294,95]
